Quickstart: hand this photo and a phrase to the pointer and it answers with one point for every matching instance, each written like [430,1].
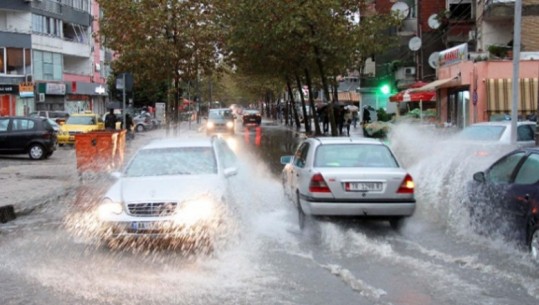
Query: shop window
[2,61]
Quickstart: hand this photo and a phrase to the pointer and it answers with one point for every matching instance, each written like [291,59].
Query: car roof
[346,140]
[177,143]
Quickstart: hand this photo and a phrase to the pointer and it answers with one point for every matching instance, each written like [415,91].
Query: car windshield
[81,120]
[481,133]
[220,114]
[354,155]
[173,161]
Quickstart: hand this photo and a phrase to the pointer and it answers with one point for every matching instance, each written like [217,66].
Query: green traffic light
[385,89]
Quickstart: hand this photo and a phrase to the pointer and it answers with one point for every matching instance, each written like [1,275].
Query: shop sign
[453,55]
[26,89]
[9,89]
[55,89]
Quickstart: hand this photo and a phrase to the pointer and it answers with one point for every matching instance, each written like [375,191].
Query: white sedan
[174,190]
[345,177]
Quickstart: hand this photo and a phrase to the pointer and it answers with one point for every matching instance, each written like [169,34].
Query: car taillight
[407,185]
[318,184]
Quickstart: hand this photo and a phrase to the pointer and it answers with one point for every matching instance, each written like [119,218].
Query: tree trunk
[306,119]
[314,111]
[293,104]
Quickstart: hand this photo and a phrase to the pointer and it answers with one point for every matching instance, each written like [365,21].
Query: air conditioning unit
[409,71]
[42,97]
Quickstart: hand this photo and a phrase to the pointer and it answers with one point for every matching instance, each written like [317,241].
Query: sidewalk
[27,185]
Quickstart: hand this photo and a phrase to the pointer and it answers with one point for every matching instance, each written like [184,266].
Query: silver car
[173,190]
[337,176]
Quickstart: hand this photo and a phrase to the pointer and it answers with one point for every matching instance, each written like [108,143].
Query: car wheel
[396,223]
[534,244]
[36,152]
[140,128]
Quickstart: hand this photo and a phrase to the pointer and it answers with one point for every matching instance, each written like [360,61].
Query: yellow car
[79,123]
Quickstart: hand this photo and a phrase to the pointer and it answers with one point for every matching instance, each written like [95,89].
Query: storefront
[472,89]
[51,96]
[83,96]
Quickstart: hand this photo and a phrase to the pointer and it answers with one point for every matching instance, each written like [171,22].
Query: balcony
[58,45]
[499,10]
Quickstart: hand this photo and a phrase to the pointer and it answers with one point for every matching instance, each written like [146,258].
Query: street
[48,257]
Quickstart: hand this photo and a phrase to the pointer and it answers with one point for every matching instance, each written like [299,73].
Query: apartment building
[49,59]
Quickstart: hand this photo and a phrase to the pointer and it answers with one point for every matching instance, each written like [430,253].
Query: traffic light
[385,89]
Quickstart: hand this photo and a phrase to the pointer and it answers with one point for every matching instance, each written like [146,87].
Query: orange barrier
[99,151]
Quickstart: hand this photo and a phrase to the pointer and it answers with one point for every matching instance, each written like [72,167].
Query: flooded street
[51,257]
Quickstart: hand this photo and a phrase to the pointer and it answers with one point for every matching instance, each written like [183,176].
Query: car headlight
[210,125]
[229,124]
[194,211]
[109,207]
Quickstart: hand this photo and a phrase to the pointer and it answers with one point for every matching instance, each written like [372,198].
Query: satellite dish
[433,22]
[401,9]
[433,60]
[415,43]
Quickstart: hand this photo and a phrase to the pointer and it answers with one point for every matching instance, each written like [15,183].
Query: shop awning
[348,96]
[500,95]
[432,86]
[409,96]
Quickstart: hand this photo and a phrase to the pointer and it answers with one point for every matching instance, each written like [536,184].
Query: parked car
[34,136]
[58,116]
[251,117]
[503,200]
[344,177]
[498,133]
[220,121]
[79,123]
[171,190]
[144,122]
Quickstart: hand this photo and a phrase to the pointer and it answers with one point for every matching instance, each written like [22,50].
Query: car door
[300,170]
[4,134]
[497,206]
[522,191]
[526,135]
[22,132]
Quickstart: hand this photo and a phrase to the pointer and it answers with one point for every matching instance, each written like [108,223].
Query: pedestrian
[110,120]
[355,117]
[130,135]
[366,115]
[347,120]
[340,119]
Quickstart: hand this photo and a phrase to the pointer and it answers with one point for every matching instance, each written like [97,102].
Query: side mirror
[479,177]
[231,171]
[286,159]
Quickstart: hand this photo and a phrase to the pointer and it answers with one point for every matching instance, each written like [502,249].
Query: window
[46,25]
[525,133]
[22,124]
[502,171]
[354,155]
[529,171]
[47,65]
[4,123]
[300,157]
[14,61]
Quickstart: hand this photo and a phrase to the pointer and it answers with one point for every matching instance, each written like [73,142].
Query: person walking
[366,115]
[347,120]
[110,120]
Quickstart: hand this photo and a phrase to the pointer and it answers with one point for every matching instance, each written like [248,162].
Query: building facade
[49,59]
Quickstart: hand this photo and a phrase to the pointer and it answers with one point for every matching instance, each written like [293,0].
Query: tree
[162,41]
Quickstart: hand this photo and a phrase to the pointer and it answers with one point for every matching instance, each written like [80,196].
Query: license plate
[143,225]
[363,186]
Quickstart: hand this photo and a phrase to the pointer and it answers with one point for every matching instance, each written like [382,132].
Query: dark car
[251,117]
[58,116]
[504,199]
[34,136]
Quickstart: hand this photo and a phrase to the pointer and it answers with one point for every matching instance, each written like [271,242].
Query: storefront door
[458,113]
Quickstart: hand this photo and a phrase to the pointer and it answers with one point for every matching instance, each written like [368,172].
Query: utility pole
[516,71]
